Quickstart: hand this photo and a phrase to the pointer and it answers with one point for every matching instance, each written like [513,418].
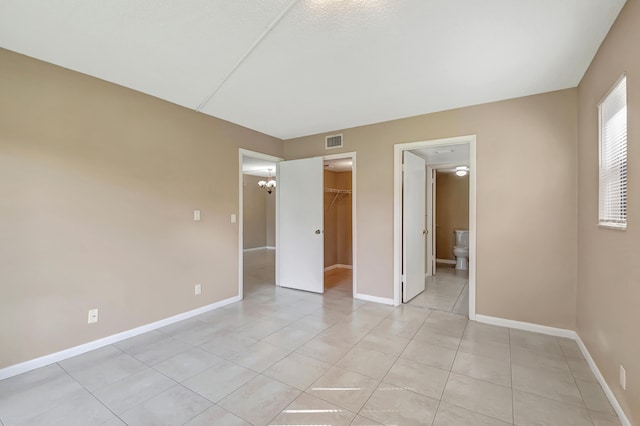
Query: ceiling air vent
[333,141]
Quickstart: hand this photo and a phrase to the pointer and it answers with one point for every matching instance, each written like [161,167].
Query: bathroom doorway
[443,155]
[447,276]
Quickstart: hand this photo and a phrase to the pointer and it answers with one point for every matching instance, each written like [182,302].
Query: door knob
[425,232]
[317,231]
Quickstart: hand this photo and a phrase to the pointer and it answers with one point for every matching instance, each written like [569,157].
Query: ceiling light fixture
[269,185]
[462,170]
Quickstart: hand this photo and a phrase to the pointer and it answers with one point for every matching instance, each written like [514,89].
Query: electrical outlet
[623,377]
[93,316]
[196,215]
[198,289]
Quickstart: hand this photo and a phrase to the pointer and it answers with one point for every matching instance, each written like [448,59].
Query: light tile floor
[447,290]
[284,357]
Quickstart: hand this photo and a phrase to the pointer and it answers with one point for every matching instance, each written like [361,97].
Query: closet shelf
[338,192]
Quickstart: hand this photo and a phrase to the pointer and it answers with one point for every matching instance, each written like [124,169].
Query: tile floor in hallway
[284,357]
[447,290]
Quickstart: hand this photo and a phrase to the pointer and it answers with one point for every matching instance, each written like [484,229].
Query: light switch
[233,218]
[196,215]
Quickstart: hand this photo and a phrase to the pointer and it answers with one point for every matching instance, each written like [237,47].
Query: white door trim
[397,212]
[354,251]
[253,154]
[431,229]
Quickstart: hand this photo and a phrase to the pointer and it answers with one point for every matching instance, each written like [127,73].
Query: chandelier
[269,185]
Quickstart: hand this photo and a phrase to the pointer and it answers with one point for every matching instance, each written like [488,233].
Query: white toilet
[461,249]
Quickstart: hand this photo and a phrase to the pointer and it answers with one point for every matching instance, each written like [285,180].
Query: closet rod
[338,192]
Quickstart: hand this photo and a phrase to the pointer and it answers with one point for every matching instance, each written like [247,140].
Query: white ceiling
[290,68]
[457,155]
[339,165]
[256,167]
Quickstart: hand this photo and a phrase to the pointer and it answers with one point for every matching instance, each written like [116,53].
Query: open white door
[413,226]
[300,224]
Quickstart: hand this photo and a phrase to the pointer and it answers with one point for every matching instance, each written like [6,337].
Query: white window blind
[613,157]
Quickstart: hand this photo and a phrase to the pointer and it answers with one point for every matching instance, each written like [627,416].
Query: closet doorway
[301,259]
[339,221]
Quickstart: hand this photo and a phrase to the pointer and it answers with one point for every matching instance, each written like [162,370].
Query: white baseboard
[605,387]
[336,266]
[527,326]
[259,248]
[447,261]
[570,334]
[376,299]
[23,367]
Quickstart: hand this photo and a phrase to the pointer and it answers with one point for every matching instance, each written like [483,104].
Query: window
[613,157]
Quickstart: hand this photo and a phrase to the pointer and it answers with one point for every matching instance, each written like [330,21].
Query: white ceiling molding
[291,68]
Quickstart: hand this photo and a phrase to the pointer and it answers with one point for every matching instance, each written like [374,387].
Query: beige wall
[452,211]
[258,214]
[608,318]
[337,220]
[98,186]
[526,165]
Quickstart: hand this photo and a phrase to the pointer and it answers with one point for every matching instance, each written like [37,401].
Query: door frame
[354,251]
[242,153]
[430,224]
[398,149]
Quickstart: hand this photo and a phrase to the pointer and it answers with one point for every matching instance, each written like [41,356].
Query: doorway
[301,226]
[447,276]
[257,222]
[436,154]
[338,226]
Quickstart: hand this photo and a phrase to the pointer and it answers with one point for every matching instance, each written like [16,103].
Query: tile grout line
[275,379]
[449,374]
[556,401]
[338,360]
[374,389]
[564,357]
[91,393]
[394,363]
